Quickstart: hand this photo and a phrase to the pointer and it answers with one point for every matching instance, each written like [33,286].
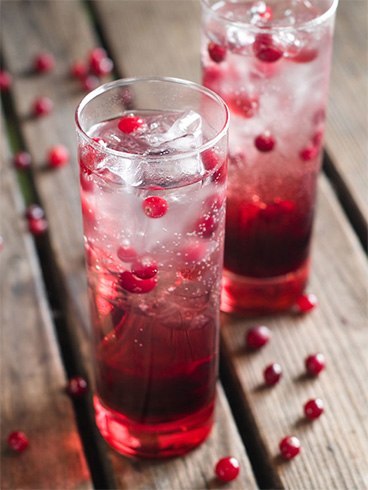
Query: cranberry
[90,82]
[313,408]
[5,80]
[78,69]
[102,66]
[131,283]
[144,268]
[130,124]
[216,52]
[227,469]
[315,363]
[37,226]
[210,159]
[89,156]
[193,251]
[266,49]
[257,337]
[44,62]
[58,156]
[22,160]
[305,55]
[265,142]
[309,153]
[42,106]
[245,105]
[34,211]
[305,303]
[18,441]
[126,253]
[289,447]
[77,386]
[206,226]
[155,207]
[219,176]
[97,54]
[272,374]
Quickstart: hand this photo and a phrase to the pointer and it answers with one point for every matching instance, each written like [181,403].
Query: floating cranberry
[266,49]
[289,447]
[18,441]
[58,156]
[78,69]
[309,153]
[315,363]
[133,284]
[227,469]
[42,106]
[155,207]
[216,52]
[265,142]
[193,251]
[144,268]
[89,156]
[102,66]
[130,124]
[37,226]
[90,82]
[126,253]
[34,211]
[210,159]
[313,408]
[5,81]
[305,55]
[77,386]
[272,374]
[305,303]
[22,160]
[244,104]
[206,226]
[257,337]
[44,62]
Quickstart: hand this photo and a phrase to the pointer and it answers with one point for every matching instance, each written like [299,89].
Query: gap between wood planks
[94,451]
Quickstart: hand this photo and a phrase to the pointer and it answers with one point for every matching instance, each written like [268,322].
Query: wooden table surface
[44,319]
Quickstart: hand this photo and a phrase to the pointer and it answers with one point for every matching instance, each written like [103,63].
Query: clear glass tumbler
[153,167]
[270,61]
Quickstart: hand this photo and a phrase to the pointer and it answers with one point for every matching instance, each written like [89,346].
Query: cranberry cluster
[90,72]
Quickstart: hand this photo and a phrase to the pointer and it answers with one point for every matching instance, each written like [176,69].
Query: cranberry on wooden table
[257,337]
[5,80]
[306,303]
[315,364]
[313,408]
[58,156]
[289,447]
[227,469]
[17,441]
[44,62]
[272,374]
[22,160]
[37,226]
[42,106]
[77,386]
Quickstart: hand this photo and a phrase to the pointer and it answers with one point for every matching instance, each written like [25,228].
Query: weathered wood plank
[346,137]
[32,377]
[59,195]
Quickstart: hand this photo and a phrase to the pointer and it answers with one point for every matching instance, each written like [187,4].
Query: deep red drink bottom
[153,440]
[253,296]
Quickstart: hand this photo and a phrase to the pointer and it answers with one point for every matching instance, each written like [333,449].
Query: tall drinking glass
[153,166]
[270,61]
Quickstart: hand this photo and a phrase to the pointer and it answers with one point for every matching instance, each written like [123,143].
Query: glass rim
[130,81]
[246,25]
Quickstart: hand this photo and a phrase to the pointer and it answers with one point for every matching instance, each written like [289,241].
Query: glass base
[153,440]
[252,296]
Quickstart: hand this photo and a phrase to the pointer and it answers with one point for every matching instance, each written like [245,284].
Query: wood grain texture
[63,28]
[33,381]
[347,135]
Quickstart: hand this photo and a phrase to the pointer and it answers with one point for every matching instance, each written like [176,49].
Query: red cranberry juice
[275,83]
[154,251]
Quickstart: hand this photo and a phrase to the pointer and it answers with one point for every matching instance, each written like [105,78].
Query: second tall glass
[270,61]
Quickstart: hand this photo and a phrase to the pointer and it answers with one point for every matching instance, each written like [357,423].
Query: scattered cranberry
[58,156]
[145,268]
[126,254]
[78,69]
[97,54]
[305,303]
[44,62]
[37,226]
[130,124]
[22,160]
[216,52]
[90,82]
[155,207]
[5,81]
[77,386]
[18,441]
[34,211]
[266,49]
[265,142]
[42,106]
[272,374]
[131,283]
[227,469]
[102,66]
[315,363]
[289,447]
[257,337]
[309,153]
[313,408]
